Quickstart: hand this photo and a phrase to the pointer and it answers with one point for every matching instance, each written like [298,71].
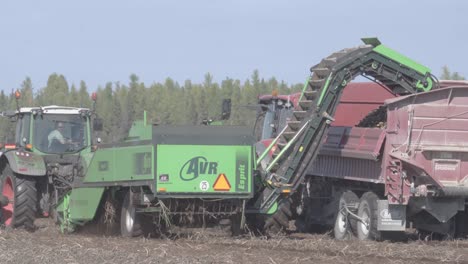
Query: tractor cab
[53,129]
[52,149]
[274,111]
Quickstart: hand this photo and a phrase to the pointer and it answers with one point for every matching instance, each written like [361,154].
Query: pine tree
[27,97]
[83,95]
[56,91]
[74,97]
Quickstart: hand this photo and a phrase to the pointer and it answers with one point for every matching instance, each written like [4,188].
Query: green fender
[25,163]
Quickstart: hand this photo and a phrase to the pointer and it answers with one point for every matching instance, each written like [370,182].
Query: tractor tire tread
[25,201]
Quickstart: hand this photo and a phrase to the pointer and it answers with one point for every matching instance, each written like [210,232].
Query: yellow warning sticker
[222,183]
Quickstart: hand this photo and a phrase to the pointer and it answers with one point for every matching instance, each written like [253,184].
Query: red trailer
[408,167]
[414,170]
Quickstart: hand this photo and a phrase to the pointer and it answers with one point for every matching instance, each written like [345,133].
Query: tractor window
[268,124]
[22,130]
[59,133]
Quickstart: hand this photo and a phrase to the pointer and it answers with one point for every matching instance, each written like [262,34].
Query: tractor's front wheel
[22,196]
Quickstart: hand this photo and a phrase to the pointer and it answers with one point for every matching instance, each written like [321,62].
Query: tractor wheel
[344,224]
[22,196]
[279,221]
[25,201]
[368,214]
[130,225]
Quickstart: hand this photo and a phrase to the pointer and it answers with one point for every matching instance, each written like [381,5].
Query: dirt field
[47,245]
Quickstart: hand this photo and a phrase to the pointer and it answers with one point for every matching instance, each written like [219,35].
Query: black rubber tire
[345,225]
[130,225]
[368,210]
[279,221]
[24,201]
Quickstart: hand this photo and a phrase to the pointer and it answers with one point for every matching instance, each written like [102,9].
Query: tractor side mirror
[97,124]
[226,109]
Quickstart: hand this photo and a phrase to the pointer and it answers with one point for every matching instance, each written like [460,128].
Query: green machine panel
[121,163]
[205,170]
[84,203]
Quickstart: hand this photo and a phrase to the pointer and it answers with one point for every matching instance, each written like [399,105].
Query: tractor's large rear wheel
[22,195]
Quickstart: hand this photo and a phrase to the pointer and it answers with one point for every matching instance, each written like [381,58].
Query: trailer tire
[22,195]
[345,226]
[130,221]
[368,213]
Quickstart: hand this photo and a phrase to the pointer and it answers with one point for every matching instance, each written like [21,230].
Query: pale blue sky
[107,40]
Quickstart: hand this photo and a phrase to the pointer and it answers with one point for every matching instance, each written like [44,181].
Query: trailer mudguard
[25,163]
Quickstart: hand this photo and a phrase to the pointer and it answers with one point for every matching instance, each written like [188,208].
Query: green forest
[166,103]
[170,102]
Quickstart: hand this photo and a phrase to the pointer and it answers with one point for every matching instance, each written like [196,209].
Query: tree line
[165,103]
[119,105]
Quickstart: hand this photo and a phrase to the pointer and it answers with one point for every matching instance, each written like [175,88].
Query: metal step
[288,135]
[339,54]
[300,115]
[316,84]
[328,62]
[321,72]
[306,104]
[310,95]
[294,125]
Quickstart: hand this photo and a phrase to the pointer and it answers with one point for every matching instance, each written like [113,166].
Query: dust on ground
[48,245]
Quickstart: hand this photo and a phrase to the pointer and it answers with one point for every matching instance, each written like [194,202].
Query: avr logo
[198,166]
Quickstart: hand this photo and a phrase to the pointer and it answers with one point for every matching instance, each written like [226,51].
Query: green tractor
[53,144]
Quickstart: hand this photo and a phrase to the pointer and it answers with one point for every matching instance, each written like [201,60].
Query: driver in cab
[56,136]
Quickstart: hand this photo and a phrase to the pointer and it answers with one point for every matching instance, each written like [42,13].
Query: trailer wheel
[22,195]
[368,214]
[130,225]
[344,224]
